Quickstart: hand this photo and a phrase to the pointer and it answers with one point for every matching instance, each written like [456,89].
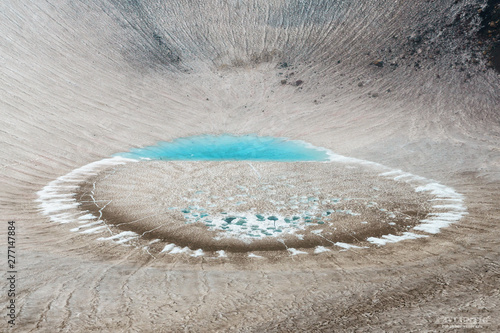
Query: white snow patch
[391,173]
[168,248]
[94,230]
[433,227]
[198,253]
[440,191]
[86,217]
[347,246]
[120,236]
[295,252]
[221,254]
[458,207]
[124,240]
[437,221]
[320,249]
[447,199]
[178,249]
[393,238]
[404,175]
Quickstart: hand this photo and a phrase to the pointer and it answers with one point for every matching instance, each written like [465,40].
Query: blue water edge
[229,147]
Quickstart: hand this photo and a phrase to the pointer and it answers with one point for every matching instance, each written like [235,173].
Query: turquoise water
[229,147]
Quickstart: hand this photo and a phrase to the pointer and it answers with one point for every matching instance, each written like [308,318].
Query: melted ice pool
[229,147]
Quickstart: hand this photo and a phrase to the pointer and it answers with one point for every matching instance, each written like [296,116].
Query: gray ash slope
[183,33]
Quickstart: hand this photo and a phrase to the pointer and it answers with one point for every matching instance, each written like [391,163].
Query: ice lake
[230,148]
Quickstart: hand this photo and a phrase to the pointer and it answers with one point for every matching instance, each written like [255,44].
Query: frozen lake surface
[230,148]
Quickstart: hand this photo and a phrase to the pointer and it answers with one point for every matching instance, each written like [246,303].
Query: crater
[233,194]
